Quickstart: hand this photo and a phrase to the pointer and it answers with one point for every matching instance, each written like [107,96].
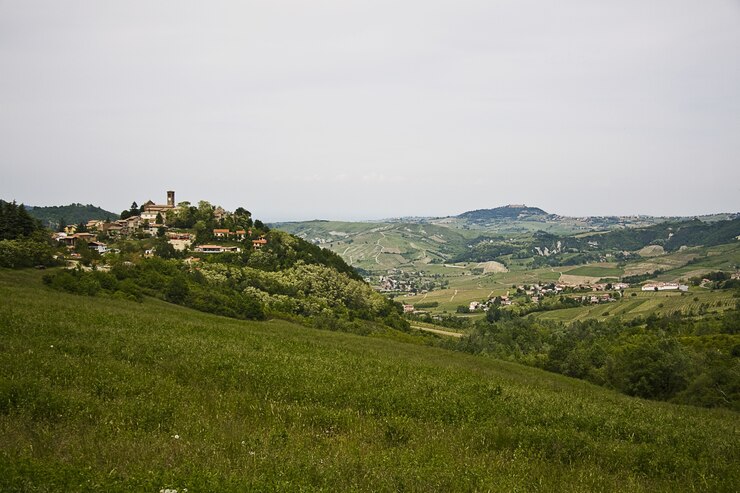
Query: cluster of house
[151,221]
[71,240]
[398,280]
[538,291]
[602,298]
[226,234]
[217,249]
[664,286]
[388,283]
[410,282]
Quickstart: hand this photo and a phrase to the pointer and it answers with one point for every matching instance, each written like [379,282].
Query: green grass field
[595,271]
[110,395]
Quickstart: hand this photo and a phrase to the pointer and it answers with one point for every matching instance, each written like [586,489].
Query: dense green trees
[23,243]
[666,358]
[132,211]
[15,221]
[290,279]
[25,252]
[52,216]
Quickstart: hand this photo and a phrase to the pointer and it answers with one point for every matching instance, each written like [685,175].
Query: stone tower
[171,198]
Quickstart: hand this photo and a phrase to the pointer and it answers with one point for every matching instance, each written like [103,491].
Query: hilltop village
[202,229]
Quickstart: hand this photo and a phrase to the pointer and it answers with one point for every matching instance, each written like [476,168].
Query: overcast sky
[348,109]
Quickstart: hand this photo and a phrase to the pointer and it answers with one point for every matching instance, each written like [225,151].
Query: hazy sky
[367,109]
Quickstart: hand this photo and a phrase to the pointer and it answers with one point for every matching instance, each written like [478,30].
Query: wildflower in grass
[176,437]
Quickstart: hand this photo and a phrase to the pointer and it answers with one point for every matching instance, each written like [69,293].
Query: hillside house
[217,249]
[150,209]
[71,240]
[240,234]
[408,308]
[130,224]
[180,241]
[664,286]
[221,233]
[112,229]
[259,243]
[97,246]
[94,225]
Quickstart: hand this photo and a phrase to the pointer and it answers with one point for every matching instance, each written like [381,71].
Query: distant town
[161,220]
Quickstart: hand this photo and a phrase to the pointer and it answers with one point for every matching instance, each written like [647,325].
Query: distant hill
[499,213]
[71,214]
[670,235]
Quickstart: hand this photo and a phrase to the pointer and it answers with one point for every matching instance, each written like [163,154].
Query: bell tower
[171,198]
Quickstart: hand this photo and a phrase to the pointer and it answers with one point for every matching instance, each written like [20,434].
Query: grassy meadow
[113,395]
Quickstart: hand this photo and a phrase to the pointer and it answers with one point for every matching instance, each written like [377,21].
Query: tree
[177,291]
[164,248]
[159,219]
[62,224]
[651,368]
[204,212]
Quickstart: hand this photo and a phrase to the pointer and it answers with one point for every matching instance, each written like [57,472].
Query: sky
[342,109]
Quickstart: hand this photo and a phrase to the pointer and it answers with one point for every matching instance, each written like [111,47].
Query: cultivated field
[638,303]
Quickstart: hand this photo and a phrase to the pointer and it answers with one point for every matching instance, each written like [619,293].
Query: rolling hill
[50,216]
[502,213]
[107,394]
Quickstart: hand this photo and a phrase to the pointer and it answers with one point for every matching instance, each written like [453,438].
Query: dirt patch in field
[393,250]
[493,266]
[575,280]
[651,251]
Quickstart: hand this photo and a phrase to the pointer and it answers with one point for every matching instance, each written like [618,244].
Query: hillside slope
[505,212]
[50,216]
[111,395]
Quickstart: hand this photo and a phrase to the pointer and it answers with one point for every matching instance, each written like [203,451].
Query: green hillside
[70,214]
[377,247]
[110,395]
[506,212]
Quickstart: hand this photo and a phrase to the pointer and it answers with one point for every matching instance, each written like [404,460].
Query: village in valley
[208,229]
